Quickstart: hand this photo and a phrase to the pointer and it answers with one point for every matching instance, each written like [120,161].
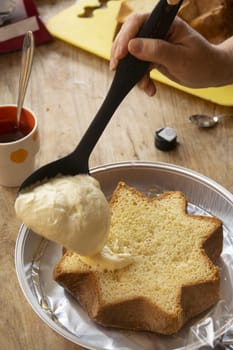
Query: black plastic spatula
[129,71]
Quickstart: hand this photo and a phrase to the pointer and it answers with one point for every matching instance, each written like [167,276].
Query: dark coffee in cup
[9,130]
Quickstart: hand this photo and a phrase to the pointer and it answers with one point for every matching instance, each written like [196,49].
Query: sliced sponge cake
[172,277]
[213,19]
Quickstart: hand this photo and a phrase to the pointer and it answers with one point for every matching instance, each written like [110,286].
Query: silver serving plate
[36,256]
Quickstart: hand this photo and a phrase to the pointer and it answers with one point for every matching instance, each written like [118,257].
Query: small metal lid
[165,139]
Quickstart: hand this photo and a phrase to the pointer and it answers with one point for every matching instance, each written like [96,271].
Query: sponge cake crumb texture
[173,276]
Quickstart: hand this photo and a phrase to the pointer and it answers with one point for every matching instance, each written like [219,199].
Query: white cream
[69,210]
[72,211]
[107,260]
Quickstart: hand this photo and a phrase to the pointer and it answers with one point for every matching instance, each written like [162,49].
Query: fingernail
[136,45]
[113,63]
[119,52]
[150,90]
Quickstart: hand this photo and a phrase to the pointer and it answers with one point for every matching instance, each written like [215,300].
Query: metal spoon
[26,67]
[204,121]
[129,71]
[208,121]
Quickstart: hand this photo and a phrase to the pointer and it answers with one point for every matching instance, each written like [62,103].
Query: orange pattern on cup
[19,156]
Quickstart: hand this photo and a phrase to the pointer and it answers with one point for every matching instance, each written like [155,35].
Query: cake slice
[212,19]
[216,25]
[172,276]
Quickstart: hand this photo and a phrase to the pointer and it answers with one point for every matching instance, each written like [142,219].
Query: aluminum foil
[36,257]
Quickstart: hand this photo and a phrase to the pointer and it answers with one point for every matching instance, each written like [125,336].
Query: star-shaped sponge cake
[172,277]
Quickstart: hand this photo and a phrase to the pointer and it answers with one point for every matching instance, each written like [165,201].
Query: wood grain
[65,90]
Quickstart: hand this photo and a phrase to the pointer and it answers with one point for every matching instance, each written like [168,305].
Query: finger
[147,85]
[150,88]
[143,82]
[128,31]
[157,51]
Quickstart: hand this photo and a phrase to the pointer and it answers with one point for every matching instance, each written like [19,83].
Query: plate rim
[24,232]
[168,166]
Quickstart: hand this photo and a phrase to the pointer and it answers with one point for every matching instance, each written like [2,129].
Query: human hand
[185,57]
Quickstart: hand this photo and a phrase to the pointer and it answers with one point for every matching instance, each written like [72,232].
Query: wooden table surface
[65,90]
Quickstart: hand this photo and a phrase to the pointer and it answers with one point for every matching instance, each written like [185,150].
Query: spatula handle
[129,71]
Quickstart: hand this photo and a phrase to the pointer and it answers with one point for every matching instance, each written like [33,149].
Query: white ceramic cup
[17,158]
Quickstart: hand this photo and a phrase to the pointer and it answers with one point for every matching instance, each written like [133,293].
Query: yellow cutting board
[95,32]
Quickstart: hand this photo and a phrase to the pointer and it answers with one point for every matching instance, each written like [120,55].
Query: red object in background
[15,29]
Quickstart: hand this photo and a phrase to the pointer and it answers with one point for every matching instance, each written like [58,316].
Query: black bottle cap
[165,139]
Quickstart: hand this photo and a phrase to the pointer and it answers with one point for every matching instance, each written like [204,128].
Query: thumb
[153,50]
